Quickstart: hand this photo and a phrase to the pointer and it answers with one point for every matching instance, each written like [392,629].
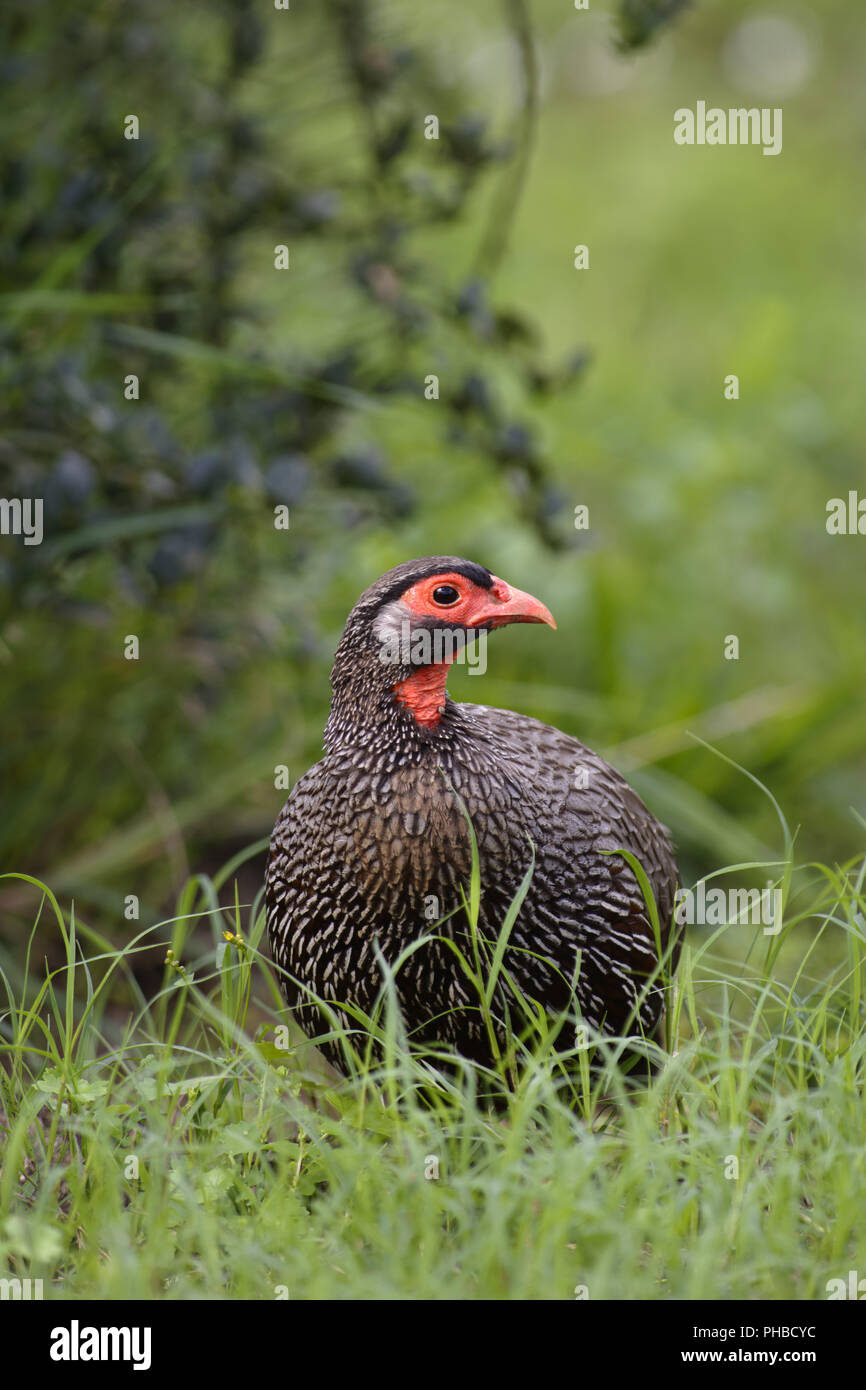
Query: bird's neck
[389,708]
[423,693]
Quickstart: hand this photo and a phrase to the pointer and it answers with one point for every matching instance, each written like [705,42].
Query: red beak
[502,605]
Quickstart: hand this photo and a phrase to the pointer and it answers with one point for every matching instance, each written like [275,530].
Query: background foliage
[558,388]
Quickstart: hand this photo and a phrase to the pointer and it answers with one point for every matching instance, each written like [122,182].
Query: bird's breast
[407,840]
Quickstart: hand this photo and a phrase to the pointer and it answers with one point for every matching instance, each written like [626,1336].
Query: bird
[371,857]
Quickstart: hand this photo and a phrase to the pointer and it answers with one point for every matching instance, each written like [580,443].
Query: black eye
[445,594]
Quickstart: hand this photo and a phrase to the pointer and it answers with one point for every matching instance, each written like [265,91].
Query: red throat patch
[424,693]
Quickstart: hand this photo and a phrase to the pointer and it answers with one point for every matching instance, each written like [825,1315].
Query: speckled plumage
[372,833]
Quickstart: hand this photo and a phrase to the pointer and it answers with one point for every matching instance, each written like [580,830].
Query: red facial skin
[424,692]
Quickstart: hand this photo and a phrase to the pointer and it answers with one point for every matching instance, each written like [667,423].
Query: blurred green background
[558,388]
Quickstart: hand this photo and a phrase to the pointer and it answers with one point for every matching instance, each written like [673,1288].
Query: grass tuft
[194,1145]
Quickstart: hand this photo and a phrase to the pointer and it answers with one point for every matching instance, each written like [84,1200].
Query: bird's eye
[445,595]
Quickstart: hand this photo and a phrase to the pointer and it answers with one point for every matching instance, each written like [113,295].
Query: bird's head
[417,619]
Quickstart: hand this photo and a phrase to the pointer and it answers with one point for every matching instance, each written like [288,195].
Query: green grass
[193,1147]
